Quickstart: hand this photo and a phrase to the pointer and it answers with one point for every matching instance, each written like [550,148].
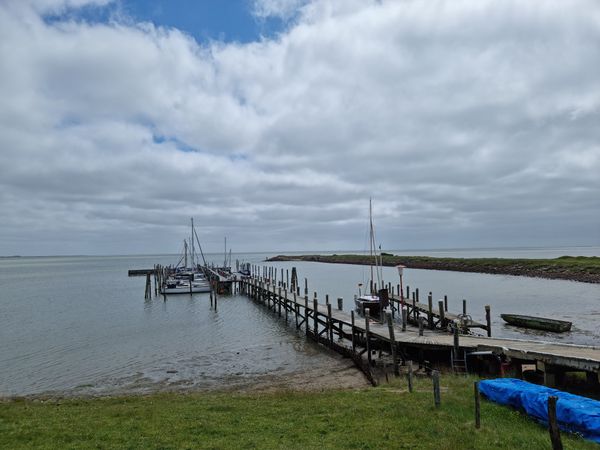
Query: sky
[470,123]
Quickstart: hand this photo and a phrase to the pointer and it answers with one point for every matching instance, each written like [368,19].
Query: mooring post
[306,324]
[287,277]
[404,318]
[390,323]
[417,294]
[420,327]
[445,303]
[442,313]
[327,299]
[278,301]
[315,318]
[296,309]
[435,375]
[553,424]
[488,320]
[407,292]
[211,297]
[414,304]
[329,324]
[464,307]
[456,346]
[477,405]
[353,339]
[430,311]
[306,286]
[368,347]
[409,375]
[340,301]
[285,304]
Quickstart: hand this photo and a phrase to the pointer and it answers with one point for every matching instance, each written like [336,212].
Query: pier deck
[329,321]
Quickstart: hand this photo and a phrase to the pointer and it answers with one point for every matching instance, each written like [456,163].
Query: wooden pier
[398,342]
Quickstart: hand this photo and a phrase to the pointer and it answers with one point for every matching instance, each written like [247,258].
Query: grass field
[373,418]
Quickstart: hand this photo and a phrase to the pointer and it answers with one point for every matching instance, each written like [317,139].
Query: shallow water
[80,324]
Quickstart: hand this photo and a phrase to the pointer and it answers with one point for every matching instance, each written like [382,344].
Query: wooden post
[285,304]
[410,376]
[414,304]
[368,347]
[327,299]
[287,277]
[477,405]
[420,327]
[306,324]
[353,338]
[407,292]
[553,424]
[445,303]
[488,320]
[278,301]
[404,318]
[430,311]
[464,306]
[340,301]
[296,308]
[456,346]
[435,375]
[306,286]
[390,323]
[442,313]
[329,324]
[316,320]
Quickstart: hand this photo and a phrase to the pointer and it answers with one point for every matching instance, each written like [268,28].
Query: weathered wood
[420,327]
[477,405]
[435,376]
[488,320]
[392,342]
[368,347]
[445,303]
[340,303]
[404,318]
[315,318]
[409,376]
[329,324]
[441,312]
[464,307]
[353,331]
[430,311]
[553,424]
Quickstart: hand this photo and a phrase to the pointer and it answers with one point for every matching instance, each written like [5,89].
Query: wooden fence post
[553,424]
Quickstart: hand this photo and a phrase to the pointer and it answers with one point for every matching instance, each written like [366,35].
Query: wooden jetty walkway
[358,337]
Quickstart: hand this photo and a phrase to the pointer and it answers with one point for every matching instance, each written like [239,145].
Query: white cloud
[469,122]
[282,9]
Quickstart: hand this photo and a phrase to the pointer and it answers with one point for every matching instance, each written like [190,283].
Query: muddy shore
[581,269]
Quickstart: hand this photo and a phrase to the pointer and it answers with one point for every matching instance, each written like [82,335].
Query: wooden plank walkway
[322,319]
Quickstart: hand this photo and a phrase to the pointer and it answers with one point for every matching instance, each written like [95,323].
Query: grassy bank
[384,417]
[577,268]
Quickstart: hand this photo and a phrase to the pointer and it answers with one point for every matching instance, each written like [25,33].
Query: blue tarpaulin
[574,413]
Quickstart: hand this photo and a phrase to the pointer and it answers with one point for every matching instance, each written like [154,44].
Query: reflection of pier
[398,343]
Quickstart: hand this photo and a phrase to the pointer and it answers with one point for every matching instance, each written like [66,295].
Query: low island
[584,269]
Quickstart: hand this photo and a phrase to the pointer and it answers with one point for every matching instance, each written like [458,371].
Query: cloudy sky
[470,123]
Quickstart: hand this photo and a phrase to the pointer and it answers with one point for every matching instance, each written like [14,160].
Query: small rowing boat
[537,323]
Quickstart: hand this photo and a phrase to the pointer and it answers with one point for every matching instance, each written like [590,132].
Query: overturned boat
[537,323]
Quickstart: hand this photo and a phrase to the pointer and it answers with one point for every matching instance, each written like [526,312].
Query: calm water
[79,324]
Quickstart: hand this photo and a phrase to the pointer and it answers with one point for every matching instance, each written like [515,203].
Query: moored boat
[537,323]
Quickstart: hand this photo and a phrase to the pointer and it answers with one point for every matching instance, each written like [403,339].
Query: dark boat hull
[537,323]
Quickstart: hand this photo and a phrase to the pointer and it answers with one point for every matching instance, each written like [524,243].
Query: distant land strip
[584,269]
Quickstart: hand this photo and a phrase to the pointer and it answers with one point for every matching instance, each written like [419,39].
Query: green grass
[579,268]
[384,417]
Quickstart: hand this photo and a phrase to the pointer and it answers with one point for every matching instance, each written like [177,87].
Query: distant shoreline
[584,269]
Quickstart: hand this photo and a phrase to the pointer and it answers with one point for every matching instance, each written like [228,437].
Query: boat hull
[185,289]
[537,323]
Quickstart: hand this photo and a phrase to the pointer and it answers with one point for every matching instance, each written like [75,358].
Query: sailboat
[187,277]
[371,299]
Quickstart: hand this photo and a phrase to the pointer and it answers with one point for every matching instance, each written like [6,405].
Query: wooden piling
[420,327]
[445,303]
[441,313]
[329,324]
[553,424]
[353,332]
[430,311]
[306,324]
[464,307]
[368,346]
[456,347]
[488,320]
[340,303]
[390,323]
[315,318]
[404,318]
[435,375]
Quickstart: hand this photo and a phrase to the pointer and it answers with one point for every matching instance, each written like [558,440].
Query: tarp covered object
[574,413]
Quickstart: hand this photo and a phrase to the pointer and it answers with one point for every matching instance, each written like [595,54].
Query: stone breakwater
[582,269]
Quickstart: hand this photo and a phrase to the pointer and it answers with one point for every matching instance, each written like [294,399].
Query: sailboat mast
[371,242]
[185,253]
[193,249]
